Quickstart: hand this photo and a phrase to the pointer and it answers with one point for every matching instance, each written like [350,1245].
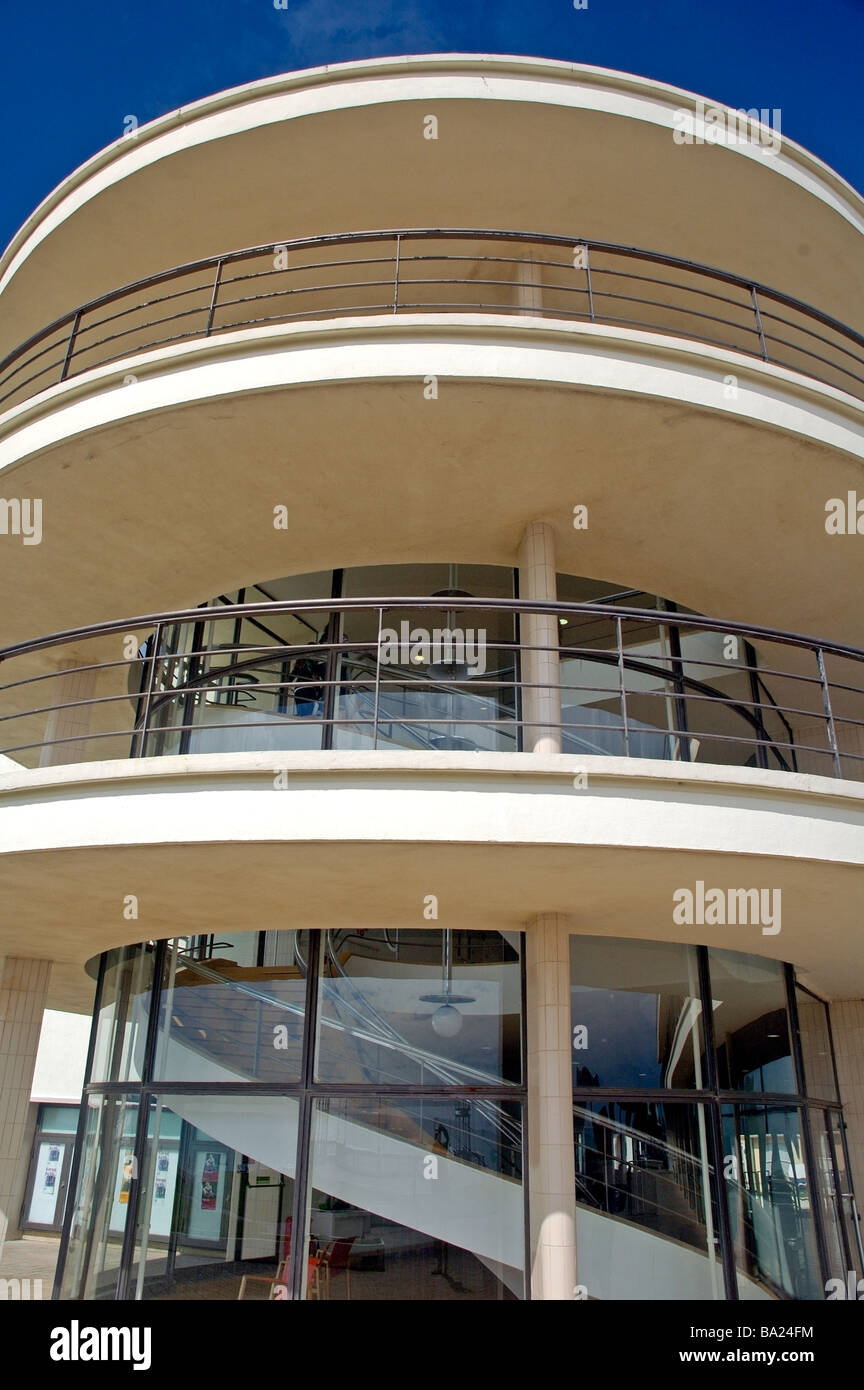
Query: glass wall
[310,1115]
[316,1115]
[693,1181]
[360,678]
[769,1191]
[416,1199]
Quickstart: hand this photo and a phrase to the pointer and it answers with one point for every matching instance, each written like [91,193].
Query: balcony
[438,271]
[428,675]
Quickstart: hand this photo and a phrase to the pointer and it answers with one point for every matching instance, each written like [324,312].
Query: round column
[551,1171]
[541,695]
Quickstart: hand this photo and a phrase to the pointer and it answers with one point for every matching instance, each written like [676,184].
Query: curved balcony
[449,673]
[436,270]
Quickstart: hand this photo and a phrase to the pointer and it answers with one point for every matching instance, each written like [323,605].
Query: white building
[522,960]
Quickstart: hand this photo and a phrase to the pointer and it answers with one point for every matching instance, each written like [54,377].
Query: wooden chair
[278,1283]
[280,1279]
[337,1256]
[275,1282]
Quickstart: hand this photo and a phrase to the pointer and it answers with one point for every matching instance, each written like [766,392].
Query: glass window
[768,1198]
[646,1226]
[423,580]
[420,1007]
[59,1119]
[751,1023]
[819,1076]
[214,1216]
[102,1200]
[221,1020]
[828,1196]
[416,1200]
[635,1013]
[843,1181]
[124,1009]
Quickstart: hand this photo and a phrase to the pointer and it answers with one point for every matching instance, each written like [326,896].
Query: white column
[72,722]
[541,706]
[551,1172]
[23,992]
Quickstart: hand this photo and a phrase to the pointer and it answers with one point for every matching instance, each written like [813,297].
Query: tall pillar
[551,1171]
[71,722]
[847,1030]
[541,705]
[23,993]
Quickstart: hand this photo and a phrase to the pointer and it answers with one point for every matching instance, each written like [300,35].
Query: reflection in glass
[751,1024]
[819,1077]
[121,1025]
[635,1013]
[457,695]
[828,1197]
[214,1216]
[221,1020]
[102,1198]
[416,1200]
[420,1007]
[845,1196]
[769,1203]
[643,1185]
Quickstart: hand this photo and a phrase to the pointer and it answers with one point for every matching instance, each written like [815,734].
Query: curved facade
[553,477]
[369,1089]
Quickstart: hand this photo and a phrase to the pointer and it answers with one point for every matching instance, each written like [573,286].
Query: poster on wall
[209,1181]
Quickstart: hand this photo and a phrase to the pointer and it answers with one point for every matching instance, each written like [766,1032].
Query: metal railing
[437,270]
[435,674]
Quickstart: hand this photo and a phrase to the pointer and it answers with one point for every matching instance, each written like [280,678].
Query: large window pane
[848,1208]
[768,1197]
[751,1023]
[222,1020]
[635,1013]
[124,1010]
[420,1007]
[416,1200]
[819,1078]
[828,1196]
[646,1226]
[214,1218]
[105,1179]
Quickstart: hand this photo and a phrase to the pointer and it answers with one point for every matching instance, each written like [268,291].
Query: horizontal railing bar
[428,233]
[662,618]
[445,721]
[136,308]
[808,332]
[75,320]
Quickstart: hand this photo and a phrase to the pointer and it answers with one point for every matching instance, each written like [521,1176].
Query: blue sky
[71,72]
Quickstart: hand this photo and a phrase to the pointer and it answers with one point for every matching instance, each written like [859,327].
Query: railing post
[151,683]
[829,713]
[213,298]
[377,680]
[396,274]
[621,686]
[588,284]
[70,346]
[763,348]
